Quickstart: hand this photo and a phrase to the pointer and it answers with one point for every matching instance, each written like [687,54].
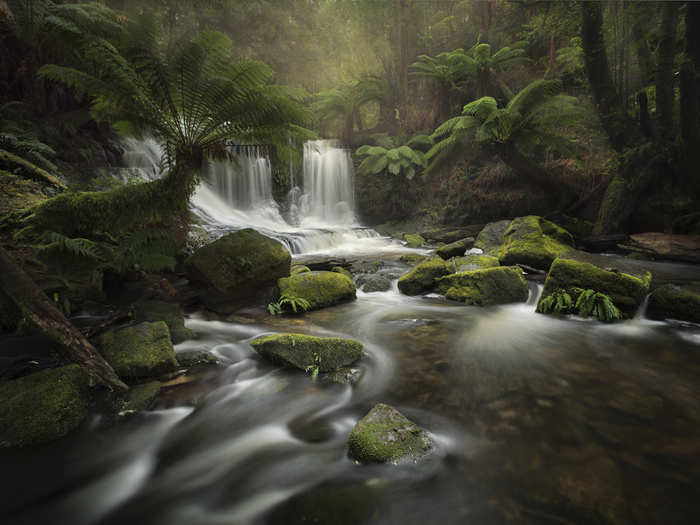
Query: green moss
[190,358]
[320,289]
[141,397]
[306,351]
[170,313]
[413,258]
[18,193]
[485,287]
[625,290]
[455,249]
[342,271]
[42,406]
[242,259]
[422,277]
[143,350]
[490,238]
[472,262]
[534,241]
[299,269]
[385,434]
[413,240]
[674,302]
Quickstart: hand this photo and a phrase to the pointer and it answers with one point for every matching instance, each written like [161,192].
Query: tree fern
[76,246]
[396,161]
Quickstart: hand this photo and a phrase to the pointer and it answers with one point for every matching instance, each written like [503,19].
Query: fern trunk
[664,72]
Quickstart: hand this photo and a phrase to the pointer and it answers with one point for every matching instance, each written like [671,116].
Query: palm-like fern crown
[347,100]
[447,68]
[196,100]
[503,58]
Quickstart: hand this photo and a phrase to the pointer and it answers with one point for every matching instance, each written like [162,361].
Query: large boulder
[320,289]
[307,351]
[535,242]
[596,272]
[675,302]
[456,248]
[239,267]
[42,406]
[421,277]
[485,287]
[170,313]
[385,434]
[142,350]
[665,246]
[376,283]
[413,240]
[490,238]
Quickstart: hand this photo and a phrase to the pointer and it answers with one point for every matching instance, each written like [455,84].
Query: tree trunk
[641,18]
[43,313]
[524,167]
[690,115]
[664,72]
[401,60]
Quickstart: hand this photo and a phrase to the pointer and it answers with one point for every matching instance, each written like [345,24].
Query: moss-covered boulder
[472,262]
[421,277]
[42,406]
[299,269]
[320,289]
[534,241]
[239,266]
[585,271]
[141,397]
[413,240]
[385,434]
[342,271]
[376,283]
[306,351]
[142,350]
[455,249]
[675,302]
[490,238]
[413,258]
[192,358]
[170,313]
[485,287]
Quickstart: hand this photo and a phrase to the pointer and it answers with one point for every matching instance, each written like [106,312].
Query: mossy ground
[42,406]
[306,351]
[143,350]
[320,289]
[421,278]
[485,287]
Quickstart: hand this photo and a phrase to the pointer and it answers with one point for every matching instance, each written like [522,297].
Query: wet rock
[320,289]
[490,238]
[455,249]
[665,246]
[413,258]
[190,358]
[237,268]
[376,283]
[485,287]
[583,271]
[43,406]
[422,277]
[143,350]
[450,234]
[170,313]
[141,397]
[343,376]
[675,302]
[342,271]
[472,262]
[385,434]
[307,352]
[299,269]
[535,242]
[413,240]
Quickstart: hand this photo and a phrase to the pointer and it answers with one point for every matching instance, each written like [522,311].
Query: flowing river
[538,419]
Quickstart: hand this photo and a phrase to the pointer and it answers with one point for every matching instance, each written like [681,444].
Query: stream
[537,419]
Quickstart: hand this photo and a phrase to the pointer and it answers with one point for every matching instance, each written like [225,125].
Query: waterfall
[243,185]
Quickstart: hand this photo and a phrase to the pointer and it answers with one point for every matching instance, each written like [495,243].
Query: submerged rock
[376,283]
[422,277]
[344,376]
[675,302]
[485,287]
[583,271]
[455,249]
[43,406]
[143,350]
[320,289]
[385,434]
[170,313]
[306,351]
[535,242]
[190,358]
[490,238]
[413,240]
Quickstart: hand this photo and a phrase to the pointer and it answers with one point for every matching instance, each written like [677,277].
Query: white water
[320,217]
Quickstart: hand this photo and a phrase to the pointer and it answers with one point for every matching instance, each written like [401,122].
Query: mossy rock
[675,302]
[385,434]
[320,289]
[485,287]
[142,350]
[534,241]
[579,270]
[421,277]
[307,351]
[413,240]
[342,271]
[343,376]
[240,261]
[191,358]
[490,238]
[170,313]
[455,249]
[468,263]
[299,269]
[42,406]
[413,258]
[141,397]
[376,283]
